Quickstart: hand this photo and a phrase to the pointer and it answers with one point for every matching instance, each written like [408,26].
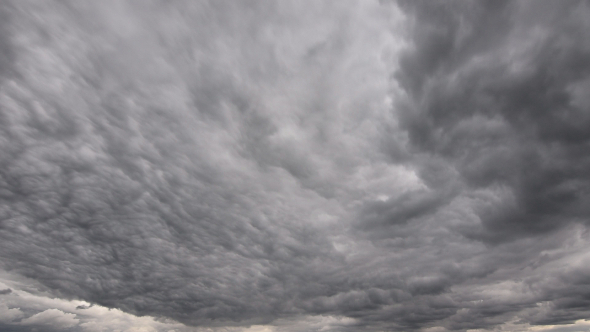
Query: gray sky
[290,166]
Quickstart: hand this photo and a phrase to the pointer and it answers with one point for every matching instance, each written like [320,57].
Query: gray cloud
[491,93]
[335,165]
[52,317]
[492,89]
[83,307]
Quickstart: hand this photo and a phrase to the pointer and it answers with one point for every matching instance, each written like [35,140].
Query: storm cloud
[294,166]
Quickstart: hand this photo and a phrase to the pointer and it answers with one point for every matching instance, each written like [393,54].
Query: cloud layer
[296,166]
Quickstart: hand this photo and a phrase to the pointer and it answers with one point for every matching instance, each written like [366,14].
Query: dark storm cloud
[236,163]
[5,291]
[14,328]
[495,89]
[494,95]
[151,162]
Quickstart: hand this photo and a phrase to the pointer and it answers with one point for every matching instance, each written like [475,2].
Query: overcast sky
[294,166]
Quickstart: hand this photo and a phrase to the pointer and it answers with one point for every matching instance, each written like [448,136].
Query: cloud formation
[289,166]
[495,89]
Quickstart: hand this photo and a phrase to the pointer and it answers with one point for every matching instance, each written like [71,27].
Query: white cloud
[9,315]
[51,318]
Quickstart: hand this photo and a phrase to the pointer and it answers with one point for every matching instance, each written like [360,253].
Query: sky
[294,165]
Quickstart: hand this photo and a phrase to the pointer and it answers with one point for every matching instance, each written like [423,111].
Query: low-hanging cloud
[495,90]
[289,166]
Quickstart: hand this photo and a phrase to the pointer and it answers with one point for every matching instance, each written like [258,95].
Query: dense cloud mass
[499,91]
[295,165]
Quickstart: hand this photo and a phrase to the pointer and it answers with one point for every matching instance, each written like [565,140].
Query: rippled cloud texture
[294,165]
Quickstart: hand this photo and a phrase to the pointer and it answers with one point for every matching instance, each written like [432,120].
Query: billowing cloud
[8,315]
[495,90]
[295,166]
[53,318]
